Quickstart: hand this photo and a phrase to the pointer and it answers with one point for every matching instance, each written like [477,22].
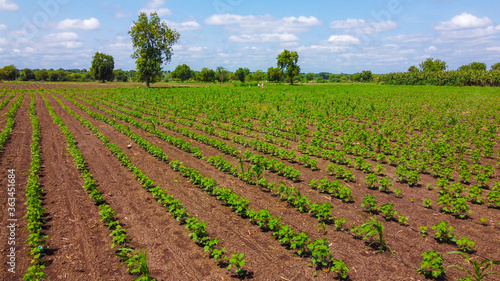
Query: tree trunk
[291,81]
[147,81]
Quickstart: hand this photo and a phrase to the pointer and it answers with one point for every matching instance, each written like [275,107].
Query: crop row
[135,261]
[7,130]
[35,210]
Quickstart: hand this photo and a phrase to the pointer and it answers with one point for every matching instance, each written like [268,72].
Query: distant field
[285,175]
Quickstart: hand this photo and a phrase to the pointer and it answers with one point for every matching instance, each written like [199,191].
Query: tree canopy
[152,40]
[183,72]
[102,67]
[433,65]
[287,62]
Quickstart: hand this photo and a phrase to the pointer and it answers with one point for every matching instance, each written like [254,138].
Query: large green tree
[241,73]
[431,64]
[152,40]
[496,66]
[221,73]
[182,71]
[206,75]
[287,62]
[9,72]
[274,74]
[102,67]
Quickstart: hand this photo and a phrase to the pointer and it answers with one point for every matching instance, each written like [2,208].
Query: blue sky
[331,36]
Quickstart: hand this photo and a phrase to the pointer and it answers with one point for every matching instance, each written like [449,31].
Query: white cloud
[155,6]
[344,40]
[3,27]
[123,15]
[4,41]
[88,24]
[7,5]
[432,49]
[256,24]
[410,38]
[497,49]
[68,40]
[360,26]
[463,21]
[263,38]
[183,26]
[470,33]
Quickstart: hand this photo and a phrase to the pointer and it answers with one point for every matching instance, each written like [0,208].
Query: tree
[9,72]
[287,62]
[366,76]
[496,66]
[433,65]
[274,74]
[241,73]
[152,41]
[258,75]
[413,69]
[120,75]
[41,75]
[221,73]
[27,75]
[102,67]
[206,75]
[310,76]
[475,66]
[182,72]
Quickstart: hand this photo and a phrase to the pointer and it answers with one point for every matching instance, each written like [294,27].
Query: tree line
[435,72]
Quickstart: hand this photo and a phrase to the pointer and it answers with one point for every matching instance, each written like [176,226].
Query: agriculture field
[356,182]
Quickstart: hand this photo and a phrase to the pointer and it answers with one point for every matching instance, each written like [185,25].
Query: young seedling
[443,233]
[237,262]
[427,203]
[484,221]
[340,268]
[432,265]
[369,230]
[403,220]
[466,245]
[423,231]
[369,203]
[398,192]
[479,269]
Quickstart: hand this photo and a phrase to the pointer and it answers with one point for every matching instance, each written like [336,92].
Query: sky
[330,36]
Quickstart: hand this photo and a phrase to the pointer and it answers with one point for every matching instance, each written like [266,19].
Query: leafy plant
[432,265]
[320,253]
[388,210]
[369,203]
[423,230]
[340,268]
[403,220]
[466,245]
[427,203]
[443,233]
[237,262]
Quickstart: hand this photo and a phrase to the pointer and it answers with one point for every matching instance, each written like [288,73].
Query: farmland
[274,183]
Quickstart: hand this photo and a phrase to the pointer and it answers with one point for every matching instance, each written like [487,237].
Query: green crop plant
[369,204]
[321,254]
[466,245]
[373,231]
[427,203]
[388,210]
[479,271]
[237,262]
[443,232]
[432,265]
